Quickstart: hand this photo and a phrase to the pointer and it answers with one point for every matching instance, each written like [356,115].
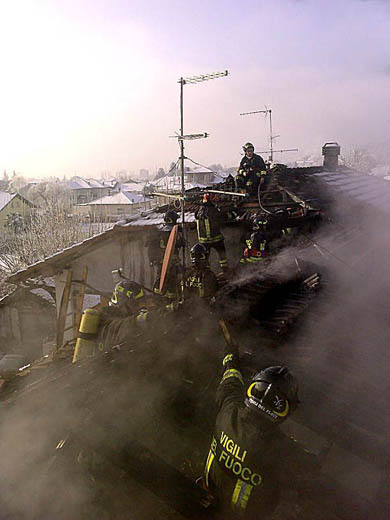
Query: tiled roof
[5,197]
[359,186]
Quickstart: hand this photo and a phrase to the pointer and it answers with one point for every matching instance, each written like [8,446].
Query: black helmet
[125,292]
[248,146]
[259,223]
[170,217]
[199,254]
[273,393]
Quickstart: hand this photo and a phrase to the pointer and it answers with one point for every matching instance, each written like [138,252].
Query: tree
[48,193]
[15,222]
[49,229]
[17,182]
[360,159]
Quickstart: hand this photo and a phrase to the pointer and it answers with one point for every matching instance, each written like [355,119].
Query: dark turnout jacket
[250,172]
[242,467]
[201,282]
[208,222]
[255,163]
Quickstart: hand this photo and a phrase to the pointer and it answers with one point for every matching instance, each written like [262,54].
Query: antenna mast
[271,151]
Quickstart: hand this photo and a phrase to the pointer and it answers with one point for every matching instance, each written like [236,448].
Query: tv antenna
[181,136]
[268,111]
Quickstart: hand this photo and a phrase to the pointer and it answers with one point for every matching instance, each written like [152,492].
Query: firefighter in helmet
[251,171]
[257,245]
[200,281]
[244,464]
[104,326]
[208,223]
[156,248]
[127,297]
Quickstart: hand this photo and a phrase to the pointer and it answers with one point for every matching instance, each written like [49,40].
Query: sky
[92,85]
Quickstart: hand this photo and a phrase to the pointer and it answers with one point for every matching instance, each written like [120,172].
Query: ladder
[78,301]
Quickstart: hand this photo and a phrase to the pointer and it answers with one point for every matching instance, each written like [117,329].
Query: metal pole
[270,131]
[182,81]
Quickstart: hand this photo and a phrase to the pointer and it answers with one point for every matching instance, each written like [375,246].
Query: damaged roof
[363,188]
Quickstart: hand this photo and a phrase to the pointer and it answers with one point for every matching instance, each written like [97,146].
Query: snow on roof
[220,177]
[132,186]
[77,183]
[5,197]
[110,183]
[197,169]
[122,197]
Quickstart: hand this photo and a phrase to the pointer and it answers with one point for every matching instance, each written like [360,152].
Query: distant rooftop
[77,183]
[5,197]
[122,197]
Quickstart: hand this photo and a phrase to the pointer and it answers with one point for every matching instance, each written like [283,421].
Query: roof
[363,188]
[360,187]
[77,183]
[133,186]
[5,198]
[122,197]
[197,169]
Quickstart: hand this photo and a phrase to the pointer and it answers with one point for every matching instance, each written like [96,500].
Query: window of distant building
[120,210]
[81,199]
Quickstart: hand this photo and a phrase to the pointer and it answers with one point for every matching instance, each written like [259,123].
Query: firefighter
[251,172]
[156,255]
[208,223]
[257,245]
[200,281]
[129,315]
[103,327]
[246,453]
[128,301]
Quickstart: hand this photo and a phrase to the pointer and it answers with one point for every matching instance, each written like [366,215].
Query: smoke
[340,354]
[152,394]
[64,441]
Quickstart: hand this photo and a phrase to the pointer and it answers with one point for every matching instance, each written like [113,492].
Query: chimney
[331,152]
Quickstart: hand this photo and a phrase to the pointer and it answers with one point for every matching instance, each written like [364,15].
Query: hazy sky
[91,85]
